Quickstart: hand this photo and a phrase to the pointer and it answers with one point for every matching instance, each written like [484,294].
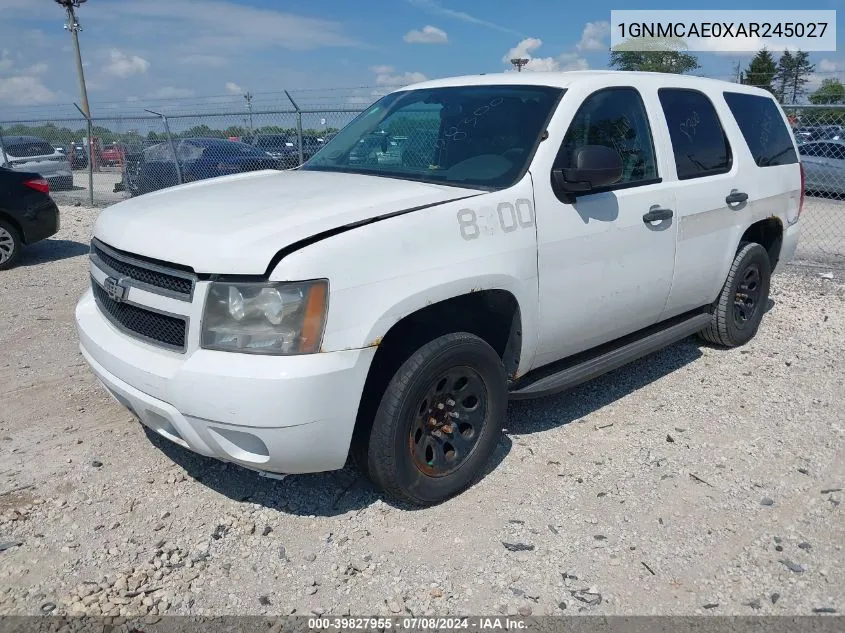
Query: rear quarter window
[699,143]
[763,129]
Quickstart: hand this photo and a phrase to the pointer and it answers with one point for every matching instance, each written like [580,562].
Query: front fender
[381,272]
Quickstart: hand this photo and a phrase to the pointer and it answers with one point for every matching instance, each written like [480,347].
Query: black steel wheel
[438,421]
[739,309]
[747,297]
[449,421]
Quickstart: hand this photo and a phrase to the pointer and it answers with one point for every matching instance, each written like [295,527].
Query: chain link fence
[820,133]
[130,156]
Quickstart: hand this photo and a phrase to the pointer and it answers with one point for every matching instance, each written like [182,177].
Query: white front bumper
[278,414]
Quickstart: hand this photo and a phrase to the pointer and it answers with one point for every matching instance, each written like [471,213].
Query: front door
[605,269]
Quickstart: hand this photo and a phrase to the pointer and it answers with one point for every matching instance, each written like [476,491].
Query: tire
[10,245]
[737,312]
[419,453]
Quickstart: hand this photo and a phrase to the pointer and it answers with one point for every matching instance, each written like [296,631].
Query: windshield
[473,136]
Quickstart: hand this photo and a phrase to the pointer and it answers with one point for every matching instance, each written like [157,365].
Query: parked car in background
[824,166]
[33,154]
[114,154]
[199,158]
[27,213]
[833,133]
[77,155]
[285,147]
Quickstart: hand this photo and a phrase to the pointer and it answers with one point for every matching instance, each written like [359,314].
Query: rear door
[706,177]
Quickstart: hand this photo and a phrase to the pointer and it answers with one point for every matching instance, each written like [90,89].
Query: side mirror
[591,167]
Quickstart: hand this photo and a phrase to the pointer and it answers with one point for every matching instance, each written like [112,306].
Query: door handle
[657,214]
[736,197]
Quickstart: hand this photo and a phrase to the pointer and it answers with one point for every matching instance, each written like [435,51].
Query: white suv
[528,232]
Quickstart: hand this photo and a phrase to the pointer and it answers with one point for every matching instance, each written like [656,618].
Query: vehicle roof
[824,141]
[597,78]
[22,139]
[211,140]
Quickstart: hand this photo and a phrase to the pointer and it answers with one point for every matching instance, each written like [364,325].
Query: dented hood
[236,224]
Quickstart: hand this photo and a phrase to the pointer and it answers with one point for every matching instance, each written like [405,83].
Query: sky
[192,52]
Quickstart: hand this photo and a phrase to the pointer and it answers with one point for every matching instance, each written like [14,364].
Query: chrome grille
[137,272]
[155,327]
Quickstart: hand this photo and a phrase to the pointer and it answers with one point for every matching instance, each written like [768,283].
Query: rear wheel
[10,245]
[737,313]
[438,421]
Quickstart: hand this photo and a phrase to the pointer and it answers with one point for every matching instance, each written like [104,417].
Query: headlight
[265,318]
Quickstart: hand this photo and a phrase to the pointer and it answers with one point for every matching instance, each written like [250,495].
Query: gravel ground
[693,481]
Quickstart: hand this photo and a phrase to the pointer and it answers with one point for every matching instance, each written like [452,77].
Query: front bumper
[277,414]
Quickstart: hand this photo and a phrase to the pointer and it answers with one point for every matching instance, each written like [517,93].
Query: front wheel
[439,420]
[736,314]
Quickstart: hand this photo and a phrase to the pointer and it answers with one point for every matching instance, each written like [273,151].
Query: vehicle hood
[236,224]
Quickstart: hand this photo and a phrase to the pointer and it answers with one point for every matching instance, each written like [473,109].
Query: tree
[761,71]
[792,75]
[832,91]
[654,61]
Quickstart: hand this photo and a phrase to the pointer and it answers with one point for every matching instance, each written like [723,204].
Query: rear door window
[762,128]
[699,143]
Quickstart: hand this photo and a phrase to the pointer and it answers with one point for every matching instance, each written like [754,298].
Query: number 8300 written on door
[507,217]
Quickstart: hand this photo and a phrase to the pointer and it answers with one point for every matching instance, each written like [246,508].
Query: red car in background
[114,154]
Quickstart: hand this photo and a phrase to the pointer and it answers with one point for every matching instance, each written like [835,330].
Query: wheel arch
[7,217]
[768,233]
[492,314]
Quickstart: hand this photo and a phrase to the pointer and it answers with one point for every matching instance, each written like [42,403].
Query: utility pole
[519,62]
[74,28]
[248,97]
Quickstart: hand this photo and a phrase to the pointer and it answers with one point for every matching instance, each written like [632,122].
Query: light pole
[519,62]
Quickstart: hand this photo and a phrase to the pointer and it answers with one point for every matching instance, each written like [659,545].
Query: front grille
[157,328]
[177,283]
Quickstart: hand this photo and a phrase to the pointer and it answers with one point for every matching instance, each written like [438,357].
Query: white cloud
[387,76]
[233,88]
[171,92]
[572,61]
[525,50]
[24,90]
[432,6]
[6,61]
[828,66]
[37,69]
[594,36]
[428,35]
[123,65]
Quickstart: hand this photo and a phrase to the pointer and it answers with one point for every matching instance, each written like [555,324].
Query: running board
[594,366]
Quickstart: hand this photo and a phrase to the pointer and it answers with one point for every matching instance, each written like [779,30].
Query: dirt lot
[694,481]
